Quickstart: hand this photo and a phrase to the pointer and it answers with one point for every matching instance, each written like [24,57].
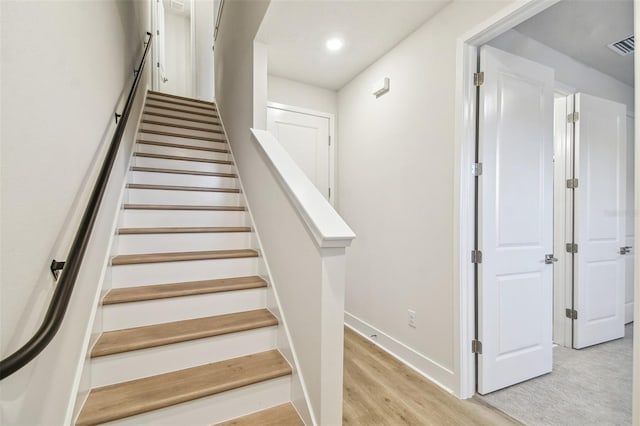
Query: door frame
[465,98]
[332,136]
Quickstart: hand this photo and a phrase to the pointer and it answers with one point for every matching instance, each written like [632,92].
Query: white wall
[290,92]
[568,71]
[178,54]
[203,14]
[65,67]
[396,190]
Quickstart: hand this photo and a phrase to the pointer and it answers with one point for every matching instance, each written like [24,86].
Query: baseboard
[426,367]
[628,312]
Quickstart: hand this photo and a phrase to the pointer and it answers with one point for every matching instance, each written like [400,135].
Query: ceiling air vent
[623,47]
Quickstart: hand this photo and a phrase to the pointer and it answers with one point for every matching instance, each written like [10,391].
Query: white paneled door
[600,210]
[515,220]
[306,138]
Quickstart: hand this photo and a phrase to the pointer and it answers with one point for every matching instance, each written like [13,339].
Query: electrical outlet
[412,318]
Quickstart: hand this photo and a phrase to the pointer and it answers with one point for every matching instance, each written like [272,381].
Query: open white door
[600,210]
[516,220]
[630,225]
[306,138]
[160,34]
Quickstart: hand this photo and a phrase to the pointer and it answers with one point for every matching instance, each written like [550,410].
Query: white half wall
[568,71]
[396,184]
[66,67]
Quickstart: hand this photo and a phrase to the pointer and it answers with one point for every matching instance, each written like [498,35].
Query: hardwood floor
[380,390]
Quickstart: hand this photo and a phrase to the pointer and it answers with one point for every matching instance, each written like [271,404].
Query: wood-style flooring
[380,390]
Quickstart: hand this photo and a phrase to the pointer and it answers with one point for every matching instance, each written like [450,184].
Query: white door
[306,138]
[161,65]
[600,210]
[630,225]
[516,220]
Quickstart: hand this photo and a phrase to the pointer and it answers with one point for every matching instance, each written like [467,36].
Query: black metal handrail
[62,294]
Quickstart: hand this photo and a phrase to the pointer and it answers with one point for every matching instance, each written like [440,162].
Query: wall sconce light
[380,87]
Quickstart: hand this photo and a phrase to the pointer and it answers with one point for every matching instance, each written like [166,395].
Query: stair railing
[62,294]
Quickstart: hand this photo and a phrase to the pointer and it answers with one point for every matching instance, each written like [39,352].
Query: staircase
[187,338]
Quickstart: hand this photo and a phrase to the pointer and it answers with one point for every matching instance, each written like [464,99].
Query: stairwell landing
[187,337]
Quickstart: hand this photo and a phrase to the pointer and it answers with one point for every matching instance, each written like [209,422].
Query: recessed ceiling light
[334,44]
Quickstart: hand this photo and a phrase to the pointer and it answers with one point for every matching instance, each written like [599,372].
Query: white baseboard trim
[426,367]
[628,312]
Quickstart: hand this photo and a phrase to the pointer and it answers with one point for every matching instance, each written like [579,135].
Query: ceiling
[582,29]
[296,31]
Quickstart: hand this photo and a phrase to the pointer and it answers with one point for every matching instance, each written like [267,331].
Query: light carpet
[590,386]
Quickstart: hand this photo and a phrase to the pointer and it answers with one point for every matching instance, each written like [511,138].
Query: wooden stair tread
[179,157]
[169,95]
[182,172]
[181,188]
[183,230]
[180,103]
[185,256]
[183,207]
[151,393]
[175,117]
[150,336]
[191,288]
[179,145]
[181,126]
[281,415]
[157,106]
[181,135]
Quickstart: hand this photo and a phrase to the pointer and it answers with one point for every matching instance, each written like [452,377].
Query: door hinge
[478,78]
[329,193]
[572,248]
[158,64]
[476,169]
[158,32]
[476,346]
[573,117]
[329,140]
[571,313]
[476,256]
[572,183]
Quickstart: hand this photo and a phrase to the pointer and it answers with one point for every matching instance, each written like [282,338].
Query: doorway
[174,47]
[306,135]
[516,339]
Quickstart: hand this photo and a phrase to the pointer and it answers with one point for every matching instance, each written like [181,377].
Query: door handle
[549,259]
[625,249]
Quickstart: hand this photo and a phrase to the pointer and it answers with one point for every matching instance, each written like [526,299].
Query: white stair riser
[153,218]
[162,243]
[152,97]
[163,163]
[218,143]
[183,121]
[158,196]
[217,408]
[156,178]
[207,132]
[110,369]
[183,152]
[170,272]
[136,314]
[206,110]
[180,114]
[182,141]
